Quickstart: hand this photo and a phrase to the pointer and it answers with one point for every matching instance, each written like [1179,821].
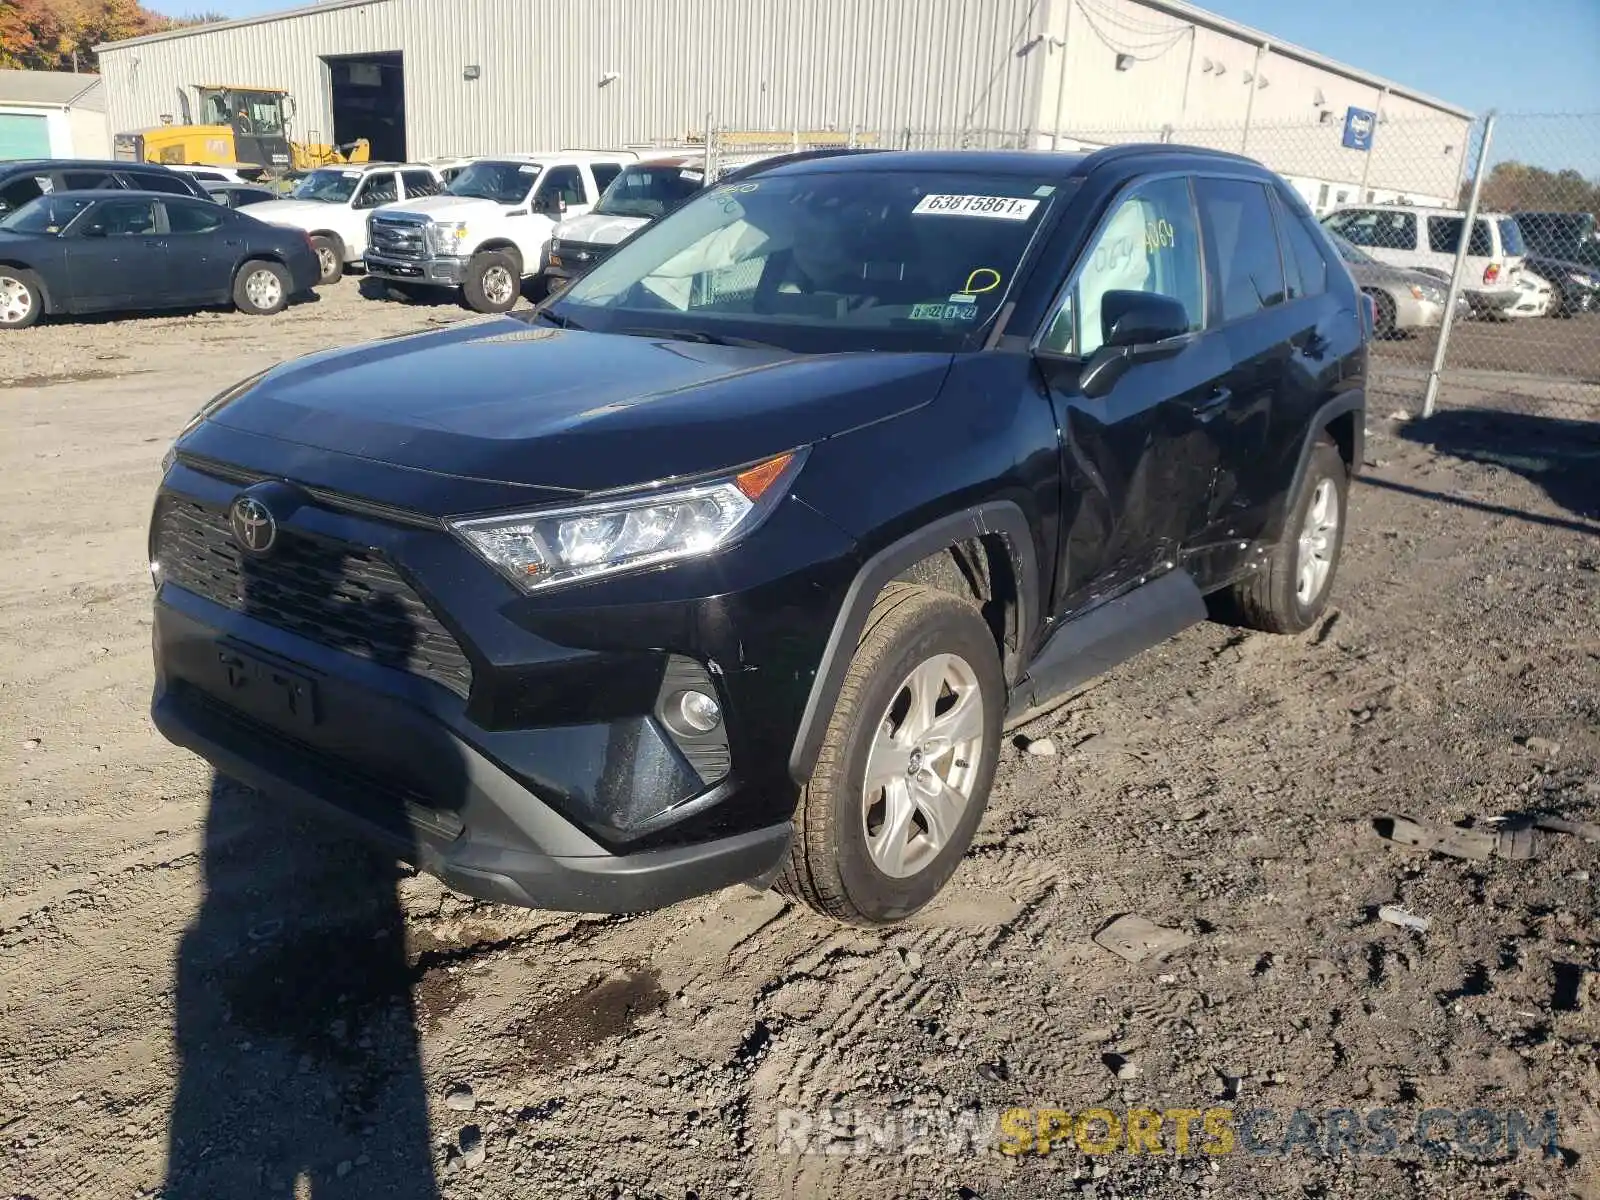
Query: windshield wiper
[697,335]
[558,321]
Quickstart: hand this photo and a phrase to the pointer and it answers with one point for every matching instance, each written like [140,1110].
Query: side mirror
[1141,318]
[1138,327]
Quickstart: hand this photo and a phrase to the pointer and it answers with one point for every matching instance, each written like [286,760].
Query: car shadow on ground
[1561,456]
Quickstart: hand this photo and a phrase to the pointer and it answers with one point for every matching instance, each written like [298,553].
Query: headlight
[446,237]
[540,550]
[555,245]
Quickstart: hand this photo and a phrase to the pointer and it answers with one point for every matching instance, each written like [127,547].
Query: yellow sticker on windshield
[984,279]
[1159,235]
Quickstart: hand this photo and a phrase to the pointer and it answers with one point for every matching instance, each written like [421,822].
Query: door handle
[1213,404]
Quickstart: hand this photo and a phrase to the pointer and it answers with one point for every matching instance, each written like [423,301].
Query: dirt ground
[203,996]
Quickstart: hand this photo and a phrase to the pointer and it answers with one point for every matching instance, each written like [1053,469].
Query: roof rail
[1110,154]
[793,156]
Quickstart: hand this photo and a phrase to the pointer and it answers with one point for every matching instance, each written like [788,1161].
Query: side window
[1150,244]
[1376,227]
[156,181]
[1305,265]
[193,218]
[125,218]
[20,191]
[377,188]
[1444,237]
[603,174]
[565,182]
[87,181]
[1240,246]
[419,183]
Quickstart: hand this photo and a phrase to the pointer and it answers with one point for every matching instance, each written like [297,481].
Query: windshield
[47,214]
[862,259]
[1351,254]
[649,191]
[502,182]
[327,186]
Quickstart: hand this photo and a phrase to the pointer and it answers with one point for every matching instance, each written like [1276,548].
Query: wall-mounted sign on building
[1358,128]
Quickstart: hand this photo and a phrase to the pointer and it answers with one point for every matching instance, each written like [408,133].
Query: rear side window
[87,181]
[1242,253]
[17,192]
[603,174]
[1511,236]
[1304,264]
[420,183]
[1376,227]
[156,181]
[1444,236]
[566,182]
[193,218]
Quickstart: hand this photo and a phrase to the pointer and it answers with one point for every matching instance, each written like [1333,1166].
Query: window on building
[1236,218]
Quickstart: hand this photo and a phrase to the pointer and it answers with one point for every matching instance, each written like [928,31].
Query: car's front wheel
[904,772]
[493,282]
[330,258]
[21,301]
[261,288]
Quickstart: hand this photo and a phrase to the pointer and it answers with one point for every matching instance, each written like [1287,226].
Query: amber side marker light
[754,482]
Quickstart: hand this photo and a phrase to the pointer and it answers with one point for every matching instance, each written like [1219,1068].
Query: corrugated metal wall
[881,64]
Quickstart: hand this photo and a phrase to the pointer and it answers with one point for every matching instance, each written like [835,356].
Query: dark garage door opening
[369,101]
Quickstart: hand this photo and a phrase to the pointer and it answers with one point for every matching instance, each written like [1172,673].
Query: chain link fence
[1509,320]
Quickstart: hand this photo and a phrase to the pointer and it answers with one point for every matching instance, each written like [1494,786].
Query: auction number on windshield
[1004,208]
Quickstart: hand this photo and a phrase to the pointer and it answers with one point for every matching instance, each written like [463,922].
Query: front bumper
[533,767]
[440,272]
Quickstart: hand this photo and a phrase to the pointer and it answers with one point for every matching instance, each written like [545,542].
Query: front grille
[583,254]
[329,592]
[397,239]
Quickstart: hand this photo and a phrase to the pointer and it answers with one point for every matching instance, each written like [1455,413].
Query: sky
[1540,56]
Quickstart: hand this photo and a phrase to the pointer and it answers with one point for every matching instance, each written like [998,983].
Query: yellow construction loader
[242,127]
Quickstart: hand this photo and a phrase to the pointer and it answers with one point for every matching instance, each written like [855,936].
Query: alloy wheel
[498,285]
[922,765]
[1318,539]
[16,300]
[264,289]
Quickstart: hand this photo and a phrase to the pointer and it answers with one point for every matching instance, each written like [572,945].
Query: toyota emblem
[254,526]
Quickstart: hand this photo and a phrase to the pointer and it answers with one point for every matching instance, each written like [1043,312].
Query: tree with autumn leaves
[44,35]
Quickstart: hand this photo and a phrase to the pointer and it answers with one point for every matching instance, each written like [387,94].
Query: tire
[330,258]
[21,298]
[1383,326]
[844,861]
[493,282]
[261,288]
[1277,599]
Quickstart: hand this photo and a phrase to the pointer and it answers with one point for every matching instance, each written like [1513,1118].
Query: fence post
[1431,396]
[710,152]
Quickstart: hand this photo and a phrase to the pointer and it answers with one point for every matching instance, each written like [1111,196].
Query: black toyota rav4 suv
[734,561]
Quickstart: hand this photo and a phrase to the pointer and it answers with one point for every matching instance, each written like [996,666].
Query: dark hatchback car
[24,180]
[82,252]
[733,561]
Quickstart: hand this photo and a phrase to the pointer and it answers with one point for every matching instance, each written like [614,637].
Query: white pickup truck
[489,230]
[645,191]
[332,205]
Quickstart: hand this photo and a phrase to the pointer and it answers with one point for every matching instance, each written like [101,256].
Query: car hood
[598,229]
[511,402]
[293,212]
[1541,265]
[448,208]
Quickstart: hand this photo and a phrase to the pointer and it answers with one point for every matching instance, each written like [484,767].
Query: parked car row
[89,237]
[1517,264]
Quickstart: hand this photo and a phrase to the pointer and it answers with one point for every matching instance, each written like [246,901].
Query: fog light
[699,711]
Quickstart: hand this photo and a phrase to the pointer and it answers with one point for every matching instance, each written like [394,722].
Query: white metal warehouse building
[422,78]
